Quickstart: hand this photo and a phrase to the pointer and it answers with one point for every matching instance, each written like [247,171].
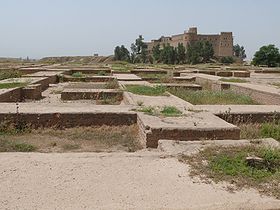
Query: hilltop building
[222,43]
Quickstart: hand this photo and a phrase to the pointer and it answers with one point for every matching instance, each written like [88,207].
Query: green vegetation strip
[12,85]
[211,97]
[146,90]
[166,111]
[232,164]
[124,67]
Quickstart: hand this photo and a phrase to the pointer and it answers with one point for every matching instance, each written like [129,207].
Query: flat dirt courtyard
[141,180]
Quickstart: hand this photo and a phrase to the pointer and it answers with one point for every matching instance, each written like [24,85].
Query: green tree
[141,49]
[207,51]
[133,53]
[156,53]
[239,51]
[168,54]
[267,55]
[121,53]
[181,50]
[200,52]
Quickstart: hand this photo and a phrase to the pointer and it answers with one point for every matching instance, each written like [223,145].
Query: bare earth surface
[143,180]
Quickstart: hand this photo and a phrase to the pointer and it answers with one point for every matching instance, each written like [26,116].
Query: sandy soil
[143,180]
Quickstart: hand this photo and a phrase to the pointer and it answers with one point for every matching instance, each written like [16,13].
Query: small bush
[77,74]
[101,73]
[170,111]
[227,60]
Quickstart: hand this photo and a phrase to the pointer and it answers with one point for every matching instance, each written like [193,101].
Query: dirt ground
[142,180]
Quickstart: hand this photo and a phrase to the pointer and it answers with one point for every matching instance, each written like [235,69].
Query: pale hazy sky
[38,28]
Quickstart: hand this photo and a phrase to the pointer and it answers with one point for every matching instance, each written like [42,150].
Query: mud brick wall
[29,71]
[44,83]
[218,86]
[186,87]
[14,95]
[207,72]
[32,92]
[261,97]
[90,71]
[141,132]
[237,118]
[139,71]
[205,83]
[176,74]
[69,120]
[53,79]
[241,74]
[87,79]
[224,73]
[71,95]
[190,135]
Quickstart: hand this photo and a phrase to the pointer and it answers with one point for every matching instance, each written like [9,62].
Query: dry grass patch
[260,130]
[81,139]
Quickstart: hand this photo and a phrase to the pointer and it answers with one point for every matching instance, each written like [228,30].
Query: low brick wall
[262,97]
[150,71]
[207,72]
[204,82]
[91,94]
[224,74]
[237,118]
[44,83]
[176,74]
[182,79]
[267,71]
[67,78]
[219,86]
[190,135]
[32,92]
[183,86]
[241,74]
[25,71]
[69,120]
[90,71]
[13,95]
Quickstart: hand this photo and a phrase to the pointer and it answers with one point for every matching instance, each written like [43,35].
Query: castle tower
[226,44]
